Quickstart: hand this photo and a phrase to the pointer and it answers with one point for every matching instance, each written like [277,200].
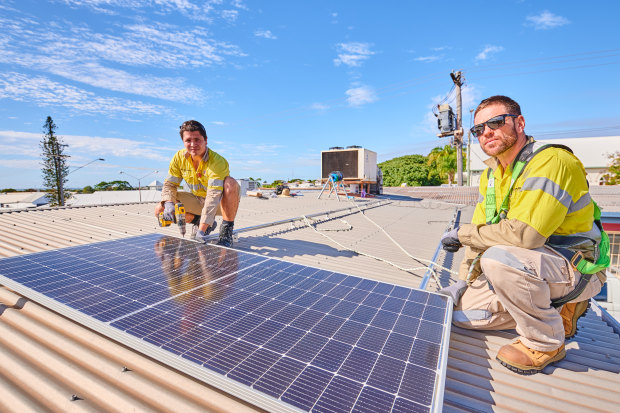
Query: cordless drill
[179,218]
[179,213]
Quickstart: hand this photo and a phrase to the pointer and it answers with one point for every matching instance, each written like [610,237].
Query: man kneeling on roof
[536,252]
[213,191]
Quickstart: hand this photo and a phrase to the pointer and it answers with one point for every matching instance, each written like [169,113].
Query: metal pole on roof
[139,179]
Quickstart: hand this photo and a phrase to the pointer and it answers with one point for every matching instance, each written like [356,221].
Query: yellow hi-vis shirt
[207,181]
[551,195]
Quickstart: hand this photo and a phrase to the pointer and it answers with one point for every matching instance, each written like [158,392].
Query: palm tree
[443,162]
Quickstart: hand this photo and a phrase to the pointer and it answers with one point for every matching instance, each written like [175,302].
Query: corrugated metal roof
[46,358]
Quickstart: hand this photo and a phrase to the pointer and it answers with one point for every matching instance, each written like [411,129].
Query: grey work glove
[202,236]
[450,240]
[455,290]
[169,211]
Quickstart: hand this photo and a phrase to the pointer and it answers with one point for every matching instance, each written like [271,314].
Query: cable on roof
[431,267]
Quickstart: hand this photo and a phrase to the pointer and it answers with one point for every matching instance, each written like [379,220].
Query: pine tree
[54,165]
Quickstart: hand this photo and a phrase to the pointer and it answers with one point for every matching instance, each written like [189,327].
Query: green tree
[443,162]
[113,186]
[7,190]
[54,165]
[410,169]
[613,176]
[88,189]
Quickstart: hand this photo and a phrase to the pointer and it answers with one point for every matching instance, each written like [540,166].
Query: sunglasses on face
[493,123]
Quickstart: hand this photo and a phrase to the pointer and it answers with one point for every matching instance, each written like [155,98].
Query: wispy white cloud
[428,59]
[30,164]
[200,11]
[319,106]
[353,54]
[45,92]
[545,21]
[79,54]
[361,95]
[218,123]
[488,51]
[265,33]
[21,143]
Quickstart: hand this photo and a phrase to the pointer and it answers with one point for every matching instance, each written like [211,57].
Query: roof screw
[74,397]
[125,369]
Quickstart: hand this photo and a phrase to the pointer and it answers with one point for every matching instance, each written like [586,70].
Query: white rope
[430,268]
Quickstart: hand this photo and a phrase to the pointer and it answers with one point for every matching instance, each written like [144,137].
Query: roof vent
[336,147]
[353,147]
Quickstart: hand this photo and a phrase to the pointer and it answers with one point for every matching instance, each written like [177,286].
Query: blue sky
[276,82]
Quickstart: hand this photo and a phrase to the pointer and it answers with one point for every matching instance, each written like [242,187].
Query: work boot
[571,312]
[226,234]
[524,360]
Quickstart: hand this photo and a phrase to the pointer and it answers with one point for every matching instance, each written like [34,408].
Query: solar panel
[282,336]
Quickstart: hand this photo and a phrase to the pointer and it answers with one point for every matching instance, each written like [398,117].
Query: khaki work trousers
[515,291]
[194,203]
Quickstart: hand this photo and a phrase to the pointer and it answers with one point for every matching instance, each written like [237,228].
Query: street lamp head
[100,159]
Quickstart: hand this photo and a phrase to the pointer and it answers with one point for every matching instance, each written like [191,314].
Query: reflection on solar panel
[276,334]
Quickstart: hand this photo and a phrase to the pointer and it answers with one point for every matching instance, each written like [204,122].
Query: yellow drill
[179,218]
[179,213]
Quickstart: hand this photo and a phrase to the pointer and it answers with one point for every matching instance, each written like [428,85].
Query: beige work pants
[515,291]
[194,203]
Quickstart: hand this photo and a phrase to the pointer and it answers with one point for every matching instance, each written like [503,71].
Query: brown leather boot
[571,312]
[524,360]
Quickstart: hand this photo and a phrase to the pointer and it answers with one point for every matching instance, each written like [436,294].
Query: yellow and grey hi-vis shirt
[549,200]
[207,181]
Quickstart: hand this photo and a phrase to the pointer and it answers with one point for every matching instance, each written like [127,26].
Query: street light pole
[139,179]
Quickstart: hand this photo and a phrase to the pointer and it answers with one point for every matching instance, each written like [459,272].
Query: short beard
[505,145]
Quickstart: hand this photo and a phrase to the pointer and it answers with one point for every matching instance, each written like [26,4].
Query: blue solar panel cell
[398,346]
[386,374]
[372,400]
[328,326]
[308,319]
[406,406]
[230,357]
[418,384]
[332,355]
[430,331]
[350,332]
[373,339]
[359,364]
[306,389]
[325,304]
[363,314]
[384,320]
[279,377]
[339,396]
[314,339]
[285,339]
[407,325]
[249,370]
[263,332]
[343,309]
[307,348]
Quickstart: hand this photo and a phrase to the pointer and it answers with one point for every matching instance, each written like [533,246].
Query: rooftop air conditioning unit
[354,163]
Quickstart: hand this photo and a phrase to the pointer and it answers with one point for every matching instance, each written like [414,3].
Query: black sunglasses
[493,123]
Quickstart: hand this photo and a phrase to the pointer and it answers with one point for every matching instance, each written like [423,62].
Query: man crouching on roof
[213,191]
[529,234]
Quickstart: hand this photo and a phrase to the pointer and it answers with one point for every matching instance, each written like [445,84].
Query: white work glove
[169,211]
[455,290]
[450,240]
